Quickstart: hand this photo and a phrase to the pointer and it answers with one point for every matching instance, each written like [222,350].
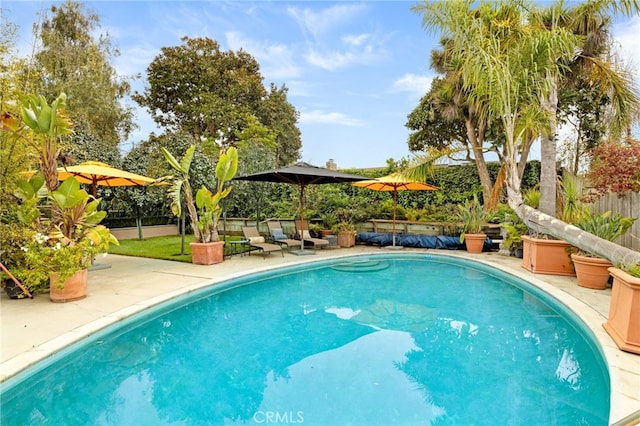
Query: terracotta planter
[550,257]
[346,239]
[592,272]
[74,288]
[623,324]
[207,253]
[325,232]
[474,242]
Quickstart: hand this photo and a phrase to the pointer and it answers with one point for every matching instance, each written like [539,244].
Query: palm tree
[513,65]
[590,21]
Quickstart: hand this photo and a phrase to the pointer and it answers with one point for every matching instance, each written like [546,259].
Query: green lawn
[167,248]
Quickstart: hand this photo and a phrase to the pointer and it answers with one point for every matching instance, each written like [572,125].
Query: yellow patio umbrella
[393,183]
[96,173]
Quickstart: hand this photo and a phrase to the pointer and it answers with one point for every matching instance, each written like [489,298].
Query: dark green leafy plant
[68,240]
[203,206]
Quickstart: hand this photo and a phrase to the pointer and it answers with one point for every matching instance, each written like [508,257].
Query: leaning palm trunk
[541,222]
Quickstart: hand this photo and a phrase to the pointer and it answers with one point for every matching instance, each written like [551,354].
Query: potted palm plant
[593,271]
[203,206]
[472,216]
[62,230]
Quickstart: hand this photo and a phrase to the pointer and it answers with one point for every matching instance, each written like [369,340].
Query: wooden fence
[628,206]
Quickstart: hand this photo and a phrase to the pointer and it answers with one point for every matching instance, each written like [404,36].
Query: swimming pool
[407,339]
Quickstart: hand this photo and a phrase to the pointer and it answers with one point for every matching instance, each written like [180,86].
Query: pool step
[361,266]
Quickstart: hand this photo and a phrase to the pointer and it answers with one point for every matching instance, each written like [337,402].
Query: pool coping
[624,368]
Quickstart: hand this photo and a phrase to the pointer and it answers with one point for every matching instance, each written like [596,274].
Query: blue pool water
[381,340]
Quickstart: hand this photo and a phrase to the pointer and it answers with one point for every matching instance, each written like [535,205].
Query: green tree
[14,153]
[582,107]
[514,69]
[200,89]
[281,117]
[452,121]
[590,21]
[70,59]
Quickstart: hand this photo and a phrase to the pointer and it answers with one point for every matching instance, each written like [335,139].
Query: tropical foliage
[204,206]
[511,58]
[66,244]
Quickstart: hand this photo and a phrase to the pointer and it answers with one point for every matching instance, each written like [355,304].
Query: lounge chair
[256,240]
[279,237]
[306,236]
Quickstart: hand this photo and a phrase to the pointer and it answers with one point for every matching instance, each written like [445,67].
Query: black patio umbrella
[302,174]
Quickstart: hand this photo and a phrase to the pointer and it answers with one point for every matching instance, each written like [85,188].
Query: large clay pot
[623,324]
[346,239]
[591,272]
[550,257]
[207,253]
[74,288]
[474,242]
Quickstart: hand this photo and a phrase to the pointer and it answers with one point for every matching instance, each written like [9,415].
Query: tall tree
[590,21]
[71,60]
[200,89]
[14,153]
[514,69]
[453,122]
[280,116]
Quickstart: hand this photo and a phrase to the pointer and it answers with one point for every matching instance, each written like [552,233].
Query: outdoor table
[236,245]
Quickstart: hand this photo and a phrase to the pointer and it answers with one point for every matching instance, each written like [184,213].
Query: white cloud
[319,117]
[627,35]
[298,88]
[355,40]
[135,59]
[330,60]
[333,60]
[322,22]
[412,83]
[276,60]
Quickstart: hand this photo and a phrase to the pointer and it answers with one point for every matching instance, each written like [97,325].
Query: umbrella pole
[302,251]
[395,195]
[302,218]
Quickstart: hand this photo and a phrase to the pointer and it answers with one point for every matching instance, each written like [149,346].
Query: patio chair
[279,237]
[256,240]
[307,238]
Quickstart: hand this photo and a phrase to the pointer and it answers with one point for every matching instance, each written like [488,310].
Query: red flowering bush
[615,167]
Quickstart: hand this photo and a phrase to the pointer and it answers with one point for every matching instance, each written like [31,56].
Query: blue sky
[354,69]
